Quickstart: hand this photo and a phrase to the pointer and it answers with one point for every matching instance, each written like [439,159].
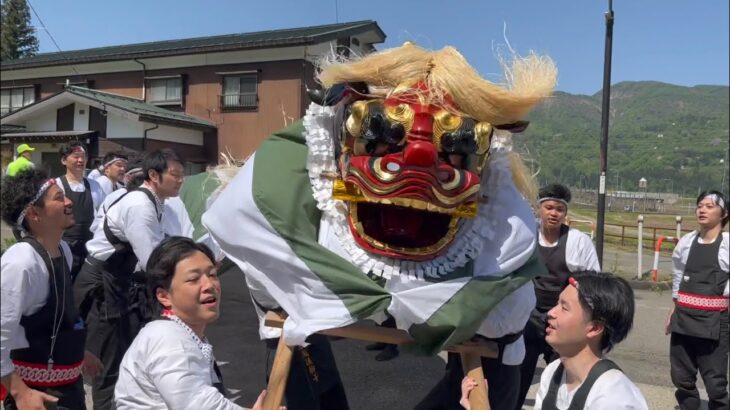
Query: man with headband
[698,322]
[110,290]
[564,250]
[86,196]
[114,167]
[175,220]
[42,354]
[593,314]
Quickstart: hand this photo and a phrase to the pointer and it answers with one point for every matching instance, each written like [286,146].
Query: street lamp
[605,108]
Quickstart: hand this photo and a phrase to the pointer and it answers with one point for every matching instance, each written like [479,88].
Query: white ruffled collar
[319,123]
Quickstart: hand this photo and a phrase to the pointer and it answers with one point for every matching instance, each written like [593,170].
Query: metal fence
[239,101]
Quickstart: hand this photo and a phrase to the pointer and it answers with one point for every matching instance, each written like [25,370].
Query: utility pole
[604,132]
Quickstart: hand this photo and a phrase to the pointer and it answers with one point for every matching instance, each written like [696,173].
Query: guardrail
[644,237]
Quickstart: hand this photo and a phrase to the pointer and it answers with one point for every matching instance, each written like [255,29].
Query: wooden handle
[472,365]
[279,375]
[362,331]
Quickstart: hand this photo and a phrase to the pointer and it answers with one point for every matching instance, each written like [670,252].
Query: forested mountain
[676,137]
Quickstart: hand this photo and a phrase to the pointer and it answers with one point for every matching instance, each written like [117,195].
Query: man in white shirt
[86,196]
[564,250]
[114,167]
[593,314]
[699,321]
[175,219]
[42,351]
[110,288]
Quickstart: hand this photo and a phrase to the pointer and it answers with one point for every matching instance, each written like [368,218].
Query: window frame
[11,108]
[240,106]
[180,102]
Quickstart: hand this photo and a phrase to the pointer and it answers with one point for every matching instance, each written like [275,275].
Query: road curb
[650,285]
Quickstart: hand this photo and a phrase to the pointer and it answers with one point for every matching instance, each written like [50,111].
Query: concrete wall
[173,134]
[81,117]
[118,127]
[43,122]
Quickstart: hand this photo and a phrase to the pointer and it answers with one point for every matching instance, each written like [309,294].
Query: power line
[51,36]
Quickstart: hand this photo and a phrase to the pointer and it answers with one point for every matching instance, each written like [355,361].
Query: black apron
[80,233]
[702,277]
[579,398]
[117,288]
[68,348]
[548,288]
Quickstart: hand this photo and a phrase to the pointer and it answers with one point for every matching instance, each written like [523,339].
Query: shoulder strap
[66,186]
[87,185]
[113,240]
[152,199]
[110,237]
[580,397]
[41,251]
[551,398]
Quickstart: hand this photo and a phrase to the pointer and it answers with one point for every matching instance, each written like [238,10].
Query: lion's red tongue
[401,225]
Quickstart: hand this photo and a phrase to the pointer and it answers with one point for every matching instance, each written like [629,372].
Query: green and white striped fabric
[267,222]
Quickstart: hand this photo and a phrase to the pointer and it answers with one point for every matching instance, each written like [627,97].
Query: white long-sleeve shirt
[681,253]
[134,219]
[24,289]
[97,194]
[611,391]
[94,174]
[580,254]
[165,369]
[175,219]
[107,186]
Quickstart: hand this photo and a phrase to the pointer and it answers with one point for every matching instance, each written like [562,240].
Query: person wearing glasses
[110,290]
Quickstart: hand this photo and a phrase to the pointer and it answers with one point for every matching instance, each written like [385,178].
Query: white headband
[113,160]
[716,199]
[42,190]
[133,171]
[562,201]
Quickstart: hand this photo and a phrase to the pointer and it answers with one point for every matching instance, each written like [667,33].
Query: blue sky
[675,41]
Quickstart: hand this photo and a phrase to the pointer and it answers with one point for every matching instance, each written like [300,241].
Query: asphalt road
[401,383]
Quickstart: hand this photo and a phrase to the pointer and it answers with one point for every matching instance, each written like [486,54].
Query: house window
[240,92]
[12,99]
[164,91]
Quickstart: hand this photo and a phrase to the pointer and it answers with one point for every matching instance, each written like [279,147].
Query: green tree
[17,39]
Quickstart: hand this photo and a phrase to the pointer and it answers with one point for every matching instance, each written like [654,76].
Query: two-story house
[200,96]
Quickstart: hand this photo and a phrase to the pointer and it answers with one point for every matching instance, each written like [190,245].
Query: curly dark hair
[558,191]
[18,191]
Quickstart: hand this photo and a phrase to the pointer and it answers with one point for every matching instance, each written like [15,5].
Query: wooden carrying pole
[471,353]
[472,365]
[279,374]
